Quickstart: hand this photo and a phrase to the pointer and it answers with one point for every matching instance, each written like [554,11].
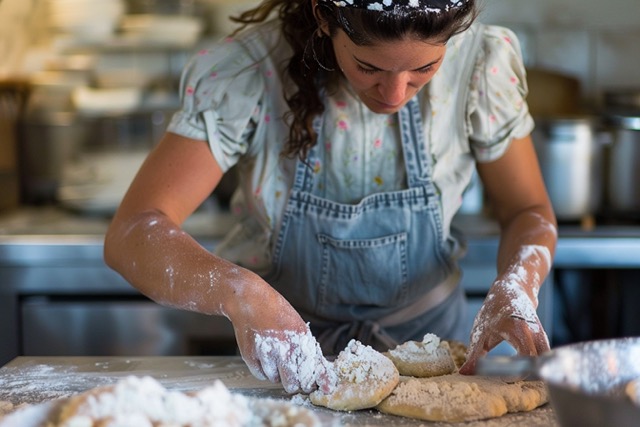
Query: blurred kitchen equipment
[13,95]
[75,148]
[95,181]
[51,133]
[164,7]
[157,28]
[94,20]
[570,153]
[552,93]
[586,380]
[623,192]
[622,116]
[622,98]
[221,11]
[99,101]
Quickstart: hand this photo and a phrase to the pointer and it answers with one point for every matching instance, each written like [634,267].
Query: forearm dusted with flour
[169,266]
[527,247]
[509,310]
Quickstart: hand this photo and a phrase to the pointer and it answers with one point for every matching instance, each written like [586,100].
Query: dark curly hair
[313,64]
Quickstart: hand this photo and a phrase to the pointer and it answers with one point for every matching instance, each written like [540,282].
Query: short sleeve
[497,110]
[220,92]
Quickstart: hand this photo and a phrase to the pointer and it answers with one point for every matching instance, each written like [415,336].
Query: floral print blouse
[232,97]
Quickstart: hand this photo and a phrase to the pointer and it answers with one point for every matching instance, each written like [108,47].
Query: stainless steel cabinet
[71,325]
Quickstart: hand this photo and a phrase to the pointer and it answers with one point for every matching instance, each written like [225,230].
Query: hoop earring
[310,46]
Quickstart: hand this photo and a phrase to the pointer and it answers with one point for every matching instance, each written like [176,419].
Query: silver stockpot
[623,184]
[570,152]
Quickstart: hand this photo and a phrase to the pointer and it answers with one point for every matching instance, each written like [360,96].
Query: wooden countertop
[32,380]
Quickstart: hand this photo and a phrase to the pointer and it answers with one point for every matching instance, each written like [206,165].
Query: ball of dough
[365,377]
[430,357]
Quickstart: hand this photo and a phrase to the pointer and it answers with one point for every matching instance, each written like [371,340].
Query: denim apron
[378,271]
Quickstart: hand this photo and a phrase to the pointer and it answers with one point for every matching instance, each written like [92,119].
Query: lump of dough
[430,357]
[458,352]
[459,398]
[144,402]
[365,377]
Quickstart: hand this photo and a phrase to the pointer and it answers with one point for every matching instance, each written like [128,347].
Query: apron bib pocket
[362,274]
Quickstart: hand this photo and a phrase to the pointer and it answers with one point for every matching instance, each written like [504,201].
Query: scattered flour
[39,383]
[144,402]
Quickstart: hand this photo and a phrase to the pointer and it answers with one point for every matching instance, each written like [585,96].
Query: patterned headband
[390,5]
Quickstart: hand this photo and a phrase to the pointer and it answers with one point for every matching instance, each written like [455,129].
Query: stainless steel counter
[54,236]
[51,266]
[38,379]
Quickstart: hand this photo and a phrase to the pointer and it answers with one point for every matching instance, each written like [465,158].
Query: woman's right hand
[275,343]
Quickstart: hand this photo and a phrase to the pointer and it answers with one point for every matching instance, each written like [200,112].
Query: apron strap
[371,332]
[333,340]
[426,302]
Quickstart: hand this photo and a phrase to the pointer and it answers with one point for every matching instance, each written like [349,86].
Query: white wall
[594,40]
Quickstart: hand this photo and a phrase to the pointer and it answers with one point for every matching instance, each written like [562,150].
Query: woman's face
[386,76]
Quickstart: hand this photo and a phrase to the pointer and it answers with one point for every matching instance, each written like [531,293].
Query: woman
[355,127]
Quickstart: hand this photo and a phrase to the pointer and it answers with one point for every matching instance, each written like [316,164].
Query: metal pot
[586,381]
[50,138]
[570,155]
[623,186]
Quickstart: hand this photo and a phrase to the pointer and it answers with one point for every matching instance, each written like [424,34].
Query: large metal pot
[50,138]
[570,155]
[586,381]
[623,186]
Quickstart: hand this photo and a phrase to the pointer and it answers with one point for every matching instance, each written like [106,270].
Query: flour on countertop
[143,402]
[38,383]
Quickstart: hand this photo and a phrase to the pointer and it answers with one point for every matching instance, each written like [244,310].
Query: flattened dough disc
[458,398]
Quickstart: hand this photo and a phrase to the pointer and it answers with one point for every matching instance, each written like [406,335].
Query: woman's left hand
[508,314]
[520,204]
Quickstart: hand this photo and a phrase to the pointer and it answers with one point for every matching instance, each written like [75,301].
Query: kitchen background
[87,87]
